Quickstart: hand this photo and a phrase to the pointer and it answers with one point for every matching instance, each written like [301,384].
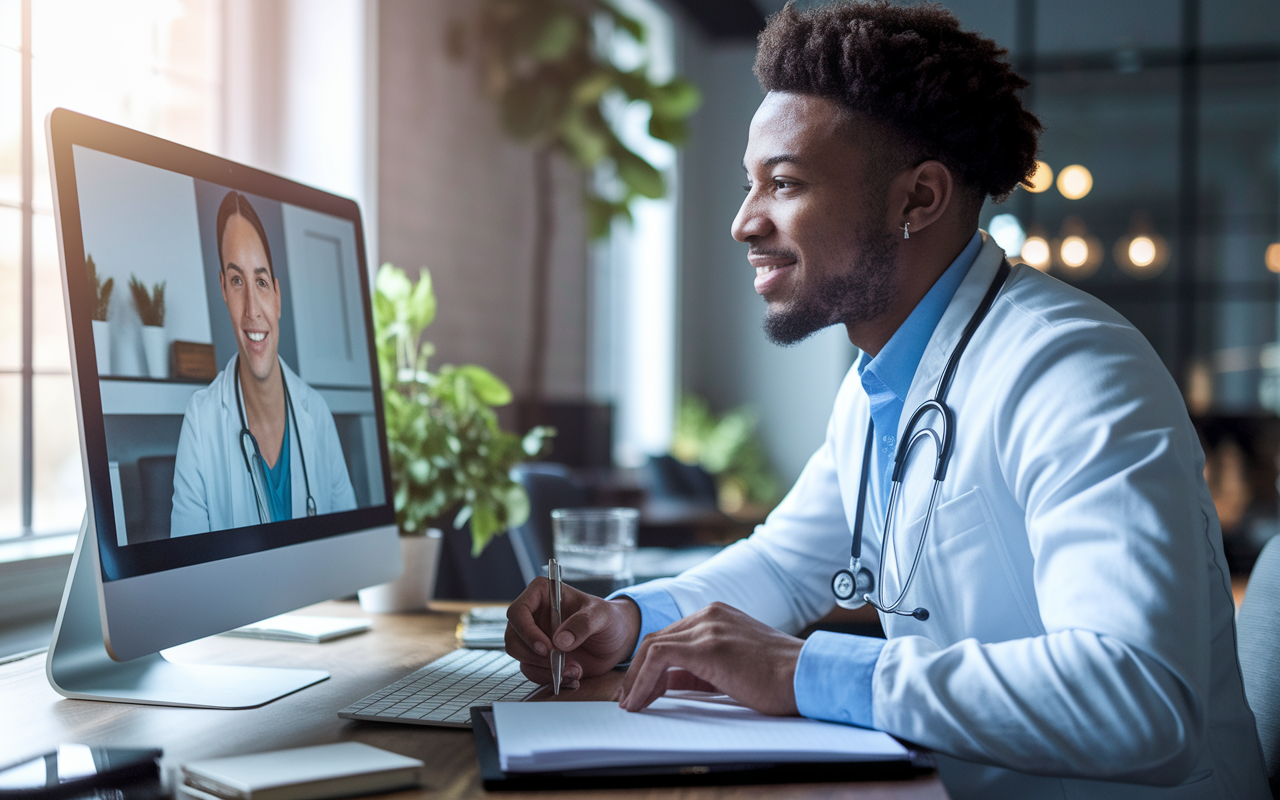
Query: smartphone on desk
[80,771]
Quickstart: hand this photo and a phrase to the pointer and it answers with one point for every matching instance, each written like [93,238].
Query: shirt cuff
[657,608]
[833,677]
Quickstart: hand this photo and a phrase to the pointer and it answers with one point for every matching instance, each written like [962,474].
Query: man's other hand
[716,649]
[595,634]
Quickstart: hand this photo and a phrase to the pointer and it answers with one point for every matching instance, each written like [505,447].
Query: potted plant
[550,67]
[450,461]
[150,307]
[101,305]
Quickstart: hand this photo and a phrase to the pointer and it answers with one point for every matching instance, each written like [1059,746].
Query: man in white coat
[258,444]
[1069,630]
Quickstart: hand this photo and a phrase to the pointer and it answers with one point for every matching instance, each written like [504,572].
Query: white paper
[536,737]
[302,628]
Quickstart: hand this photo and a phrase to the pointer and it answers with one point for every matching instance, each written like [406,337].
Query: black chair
[668,478]
[550,486]
[155,474]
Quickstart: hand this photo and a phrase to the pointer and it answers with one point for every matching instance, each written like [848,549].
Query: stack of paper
[305,773]
[483,628]
[300,628]
[541,737]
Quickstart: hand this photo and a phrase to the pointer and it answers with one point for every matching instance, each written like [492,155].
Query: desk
[35,718]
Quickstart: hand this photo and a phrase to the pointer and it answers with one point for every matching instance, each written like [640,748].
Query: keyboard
[442,692]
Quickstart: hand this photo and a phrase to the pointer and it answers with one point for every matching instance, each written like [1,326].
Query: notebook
[689,728]
[304,773]
[301,628]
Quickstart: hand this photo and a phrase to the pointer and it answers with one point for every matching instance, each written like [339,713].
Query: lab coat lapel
[242,506]
[301,432]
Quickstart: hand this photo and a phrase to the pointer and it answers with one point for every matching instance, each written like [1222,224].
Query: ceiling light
[1077,254]
[1035,251]
[1142,253]
[1041,179]
[1074,251]
[1074,182]
[1273,257]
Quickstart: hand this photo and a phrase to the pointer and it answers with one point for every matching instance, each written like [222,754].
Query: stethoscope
[853,586]
[249,445]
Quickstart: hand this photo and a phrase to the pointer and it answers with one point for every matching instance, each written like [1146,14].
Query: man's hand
[716,649]
[595,636]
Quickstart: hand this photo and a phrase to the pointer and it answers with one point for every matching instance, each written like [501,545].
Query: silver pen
[557,657]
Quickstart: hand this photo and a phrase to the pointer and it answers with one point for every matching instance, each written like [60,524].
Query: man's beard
[862,292]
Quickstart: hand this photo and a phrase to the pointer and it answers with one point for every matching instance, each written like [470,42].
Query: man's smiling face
[252,295]
[815,217]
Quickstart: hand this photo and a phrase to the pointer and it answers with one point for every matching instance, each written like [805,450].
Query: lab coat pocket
[976,591]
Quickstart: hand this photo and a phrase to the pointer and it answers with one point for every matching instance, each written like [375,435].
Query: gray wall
[724,355]
[456,194]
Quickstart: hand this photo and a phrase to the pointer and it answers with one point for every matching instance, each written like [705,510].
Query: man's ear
[922,195]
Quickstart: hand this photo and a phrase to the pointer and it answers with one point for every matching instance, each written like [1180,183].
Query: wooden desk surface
[36,719]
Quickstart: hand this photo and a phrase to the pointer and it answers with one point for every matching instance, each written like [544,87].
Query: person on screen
[257,444]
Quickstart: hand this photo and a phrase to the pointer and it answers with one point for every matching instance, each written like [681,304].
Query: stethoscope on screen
[853,586]
[249,449]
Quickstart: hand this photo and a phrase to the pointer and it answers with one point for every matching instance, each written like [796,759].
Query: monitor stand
[79,667]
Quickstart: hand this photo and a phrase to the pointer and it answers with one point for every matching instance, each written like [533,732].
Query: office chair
[1258,631]
[155,474]
[668,478]
[550,486]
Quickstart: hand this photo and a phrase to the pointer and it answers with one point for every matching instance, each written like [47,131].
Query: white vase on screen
[102,345]
[155,344]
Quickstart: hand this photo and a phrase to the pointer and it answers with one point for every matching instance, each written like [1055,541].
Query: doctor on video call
[1048,565]
[257,444]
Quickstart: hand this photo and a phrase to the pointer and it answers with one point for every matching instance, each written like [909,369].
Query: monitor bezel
[67,129]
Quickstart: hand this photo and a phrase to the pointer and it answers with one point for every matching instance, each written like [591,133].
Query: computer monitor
[230,411]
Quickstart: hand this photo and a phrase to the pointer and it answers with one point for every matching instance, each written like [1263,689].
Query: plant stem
[544,228]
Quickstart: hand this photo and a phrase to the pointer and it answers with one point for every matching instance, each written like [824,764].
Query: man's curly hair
[945,94]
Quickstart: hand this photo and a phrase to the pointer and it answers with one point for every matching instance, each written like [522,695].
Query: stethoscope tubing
[244,450]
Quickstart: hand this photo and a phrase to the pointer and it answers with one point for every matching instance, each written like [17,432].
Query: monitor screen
[238,406]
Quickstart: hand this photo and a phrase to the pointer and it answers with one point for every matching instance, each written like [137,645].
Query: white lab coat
[212,489]
[1081,636]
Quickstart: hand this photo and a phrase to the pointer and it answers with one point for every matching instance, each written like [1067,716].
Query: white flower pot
[102,345]
[155,345]
[412,590]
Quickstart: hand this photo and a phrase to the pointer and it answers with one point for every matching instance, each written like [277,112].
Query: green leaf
[675,100]
[639,175]
[516,503]
[488,388]
[674,131]
[586,143]
[484,526]
[558,37]
[421,304]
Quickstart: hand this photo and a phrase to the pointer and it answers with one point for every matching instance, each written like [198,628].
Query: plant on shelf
[150,305]
[448,454]
[550,66]
[727,447]
[101,291]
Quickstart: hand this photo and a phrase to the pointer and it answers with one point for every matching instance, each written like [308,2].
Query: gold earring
[906,231]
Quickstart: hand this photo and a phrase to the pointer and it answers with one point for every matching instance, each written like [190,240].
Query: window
[153,65]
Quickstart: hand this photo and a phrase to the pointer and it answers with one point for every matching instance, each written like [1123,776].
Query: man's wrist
[627,613]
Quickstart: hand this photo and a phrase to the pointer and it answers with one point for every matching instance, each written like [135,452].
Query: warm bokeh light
[1273,257]
[1142,251]
[1035,251]
[1041,179]
[1074,251]
[1074,182]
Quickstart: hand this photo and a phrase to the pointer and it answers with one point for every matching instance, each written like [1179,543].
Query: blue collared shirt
[834,671]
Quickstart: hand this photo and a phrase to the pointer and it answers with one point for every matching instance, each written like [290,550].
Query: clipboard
[495,780]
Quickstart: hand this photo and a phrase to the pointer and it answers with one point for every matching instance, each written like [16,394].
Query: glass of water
[594,547]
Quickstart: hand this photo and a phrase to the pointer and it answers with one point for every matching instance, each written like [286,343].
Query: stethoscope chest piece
[851,586]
